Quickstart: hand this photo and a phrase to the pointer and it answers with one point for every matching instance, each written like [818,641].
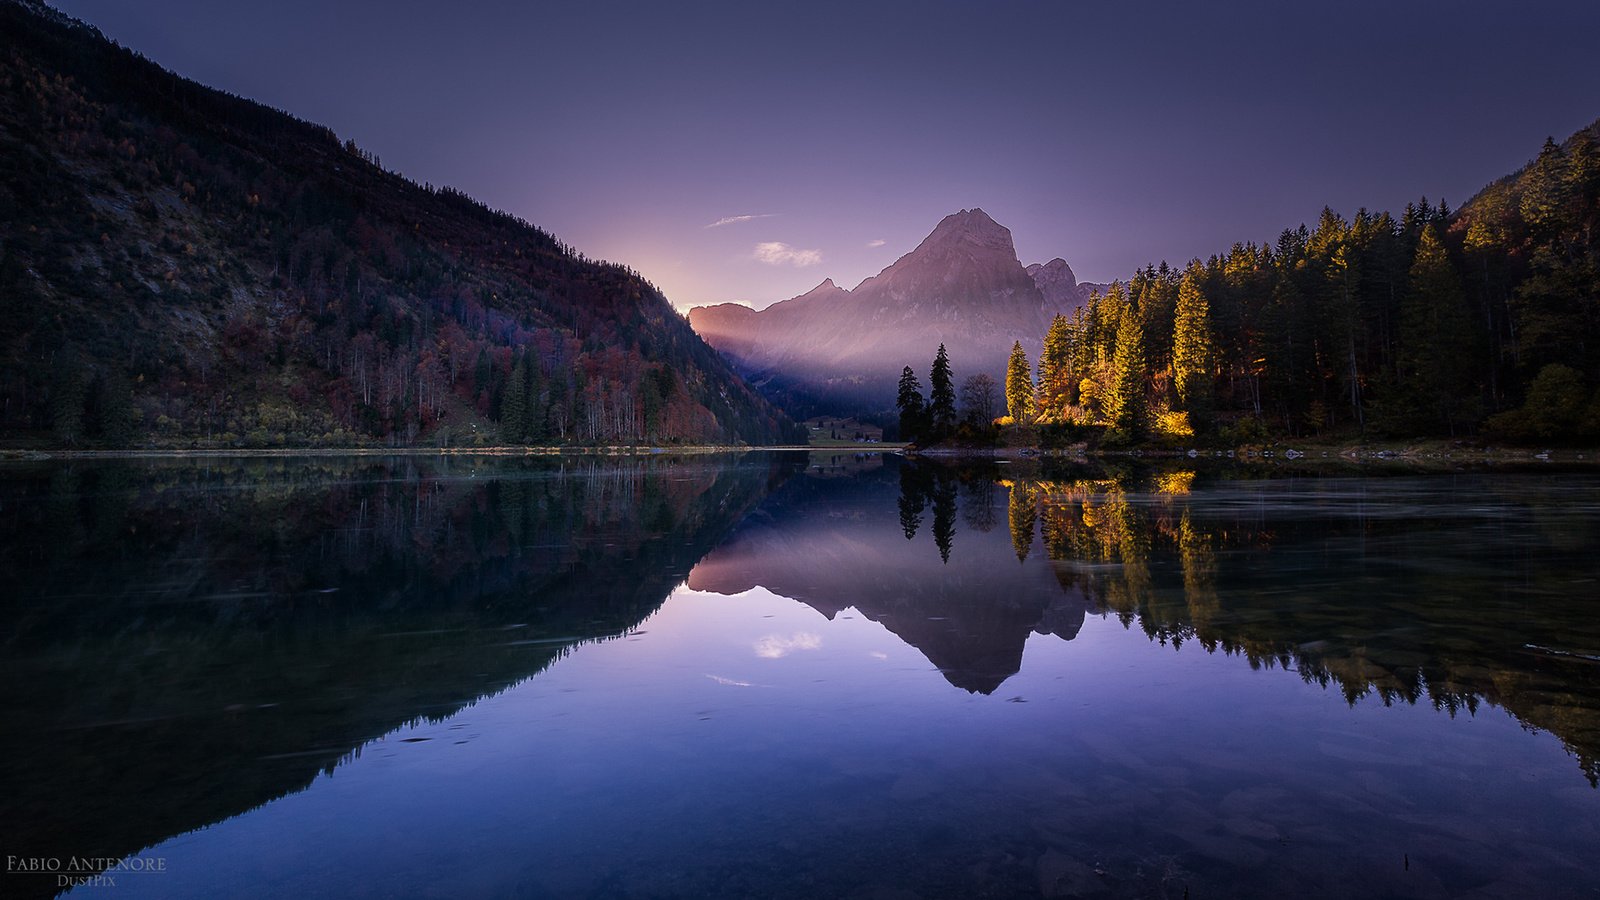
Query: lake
[797,676]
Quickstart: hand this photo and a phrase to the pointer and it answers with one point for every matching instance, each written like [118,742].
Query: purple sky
[1108,134]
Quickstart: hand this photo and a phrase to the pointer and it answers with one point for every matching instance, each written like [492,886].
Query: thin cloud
[777,253]
[776,646]
[734,220]
[877,242]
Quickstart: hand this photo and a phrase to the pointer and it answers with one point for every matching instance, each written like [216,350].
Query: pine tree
[1193,349]
[1545,193]
[913,409]
[941,396]
[1019,386]
[1056,384]
[1438,340]
[1083,351]
[1124,404]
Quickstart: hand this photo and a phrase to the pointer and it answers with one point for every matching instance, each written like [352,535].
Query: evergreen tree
[1154,292]
[1545,194]
[942,396]
[1192,346]
[913,409]
[1019,386]
[1057,387]
[1083,350]
[1439,340]
[1108,319]
[1124,403]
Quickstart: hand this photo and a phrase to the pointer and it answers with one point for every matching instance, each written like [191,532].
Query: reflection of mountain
[838,543]
[1333,580]
[193,639]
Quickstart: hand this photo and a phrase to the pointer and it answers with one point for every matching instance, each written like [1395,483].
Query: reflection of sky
[667,759]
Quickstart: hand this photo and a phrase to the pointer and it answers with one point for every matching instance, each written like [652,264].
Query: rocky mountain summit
[963,286]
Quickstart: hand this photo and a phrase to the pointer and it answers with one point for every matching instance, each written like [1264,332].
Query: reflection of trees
[913,497]
[1199,572]
[944,513]
[1300,592]
[1022,512]
[978,504]
[921,486]
[231,629]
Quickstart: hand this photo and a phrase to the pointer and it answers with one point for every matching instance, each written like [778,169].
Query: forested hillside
[184,266]
[1483,322]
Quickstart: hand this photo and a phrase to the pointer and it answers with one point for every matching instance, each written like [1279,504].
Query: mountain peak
[1058,284]
[970,221]
[968,233]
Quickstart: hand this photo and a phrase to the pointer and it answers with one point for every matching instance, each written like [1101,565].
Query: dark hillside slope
[183,265]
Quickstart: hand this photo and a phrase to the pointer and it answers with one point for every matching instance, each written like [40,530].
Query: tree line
[1481,323]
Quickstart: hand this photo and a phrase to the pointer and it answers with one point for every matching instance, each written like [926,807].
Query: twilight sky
[828,139]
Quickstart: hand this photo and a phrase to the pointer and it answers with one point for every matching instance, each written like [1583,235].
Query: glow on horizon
[676,140]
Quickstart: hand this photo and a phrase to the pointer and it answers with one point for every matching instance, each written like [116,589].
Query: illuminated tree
[1019,386]
[1057,387]
[1192,344]
[1125,398]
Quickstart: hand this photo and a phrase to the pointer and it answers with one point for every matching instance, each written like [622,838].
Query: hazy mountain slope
[180,263]
[963,286]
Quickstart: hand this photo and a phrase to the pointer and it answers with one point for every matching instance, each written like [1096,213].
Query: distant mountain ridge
[962,286]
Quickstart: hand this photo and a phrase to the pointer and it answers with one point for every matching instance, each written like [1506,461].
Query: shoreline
[1415,455]
[44,454]
[1412,454]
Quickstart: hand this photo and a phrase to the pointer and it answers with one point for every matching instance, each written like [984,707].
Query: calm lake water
[771,675]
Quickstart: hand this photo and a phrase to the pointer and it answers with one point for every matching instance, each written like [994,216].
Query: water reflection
[1452,591]
[185,640]
[840,544]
